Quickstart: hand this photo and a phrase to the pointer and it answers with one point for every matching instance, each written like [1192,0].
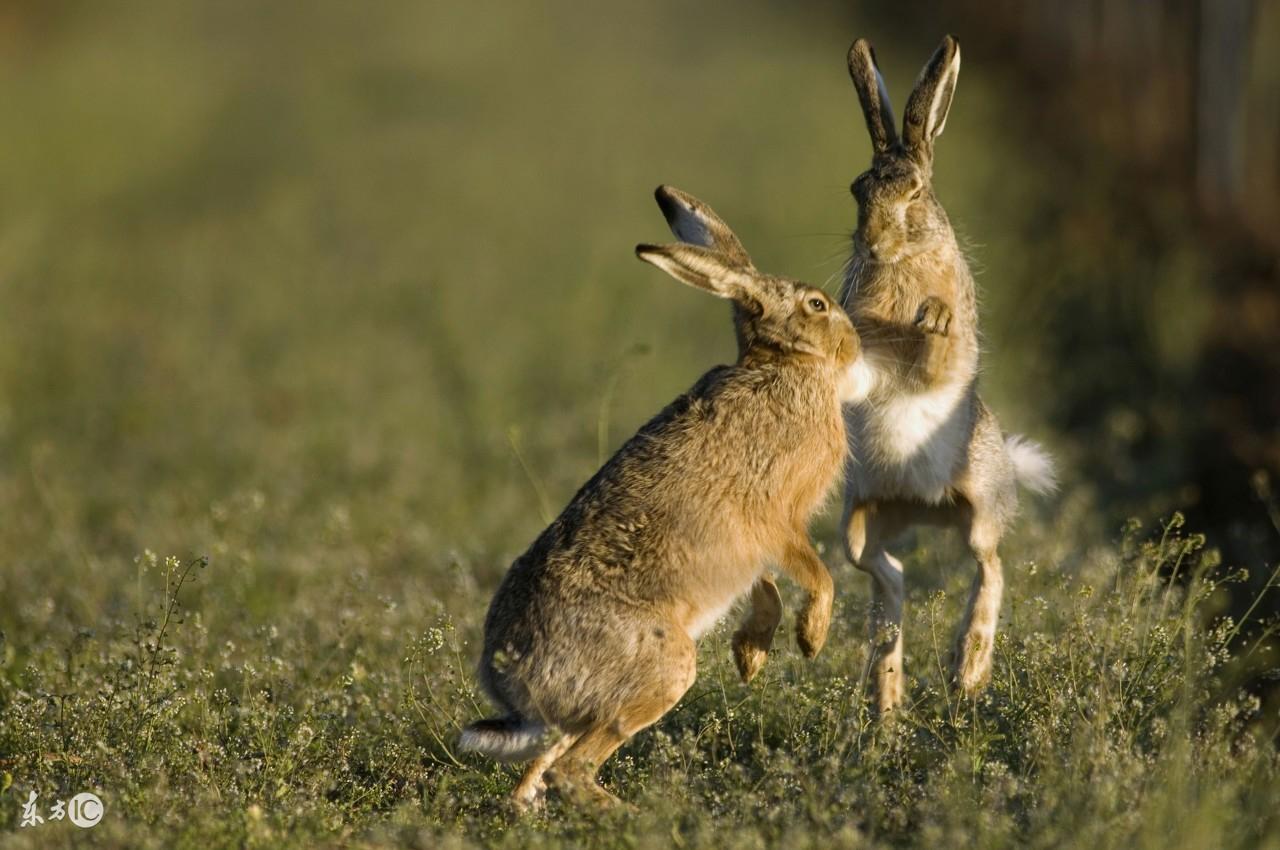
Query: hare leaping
[590,637]
[925,447]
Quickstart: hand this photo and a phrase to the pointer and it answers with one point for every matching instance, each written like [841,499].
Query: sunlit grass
[1111,720]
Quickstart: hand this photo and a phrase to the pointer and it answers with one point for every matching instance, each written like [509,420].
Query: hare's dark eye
[916,193]
[818,305]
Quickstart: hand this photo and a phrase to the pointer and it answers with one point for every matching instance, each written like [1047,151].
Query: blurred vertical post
[1221,94]
[1189,86]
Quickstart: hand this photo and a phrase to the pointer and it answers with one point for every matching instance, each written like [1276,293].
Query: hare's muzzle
[848,346]
[858,380]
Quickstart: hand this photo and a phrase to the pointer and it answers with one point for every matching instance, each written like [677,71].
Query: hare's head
[898,215]
[770,312]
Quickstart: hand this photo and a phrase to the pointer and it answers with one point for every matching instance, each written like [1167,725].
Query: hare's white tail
[1032,465]
[511,738]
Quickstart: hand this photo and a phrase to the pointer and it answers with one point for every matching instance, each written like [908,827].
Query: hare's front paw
[812,625]
[750,652]
[934,316]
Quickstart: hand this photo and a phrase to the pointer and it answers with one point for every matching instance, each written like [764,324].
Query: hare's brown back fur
[678,524]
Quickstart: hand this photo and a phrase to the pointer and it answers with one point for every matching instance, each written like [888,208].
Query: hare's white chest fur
[907,445]
[908,424]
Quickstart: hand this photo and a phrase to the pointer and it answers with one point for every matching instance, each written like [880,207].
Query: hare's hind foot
[531,792]
[971,655]
[888,684]
[582,789]
[574,774]
[971,663]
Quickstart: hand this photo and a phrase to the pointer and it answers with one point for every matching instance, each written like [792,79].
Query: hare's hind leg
[975,638]
[867,529]
[658,684]
[754,637]
[991,494]
[531,791]
[574,774]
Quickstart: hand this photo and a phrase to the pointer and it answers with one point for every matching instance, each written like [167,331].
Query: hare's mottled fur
[924,446]
[590,637]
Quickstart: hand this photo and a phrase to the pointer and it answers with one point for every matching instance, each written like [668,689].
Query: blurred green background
[345,256]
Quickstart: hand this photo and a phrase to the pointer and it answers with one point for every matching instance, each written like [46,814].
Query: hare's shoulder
[617,503]
[701,402]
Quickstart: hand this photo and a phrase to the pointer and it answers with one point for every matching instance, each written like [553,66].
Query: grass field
[311,314]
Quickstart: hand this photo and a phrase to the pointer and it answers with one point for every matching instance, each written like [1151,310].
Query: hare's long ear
[930,100]
[873,95]
[701,267]
[694,222]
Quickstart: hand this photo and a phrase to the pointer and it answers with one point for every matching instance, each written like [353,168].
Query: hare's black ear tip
[646,252]
[668,198]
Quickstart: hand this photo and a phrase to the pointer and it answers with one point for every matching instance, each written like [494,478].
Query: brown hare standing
[590,637]
[925,448]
